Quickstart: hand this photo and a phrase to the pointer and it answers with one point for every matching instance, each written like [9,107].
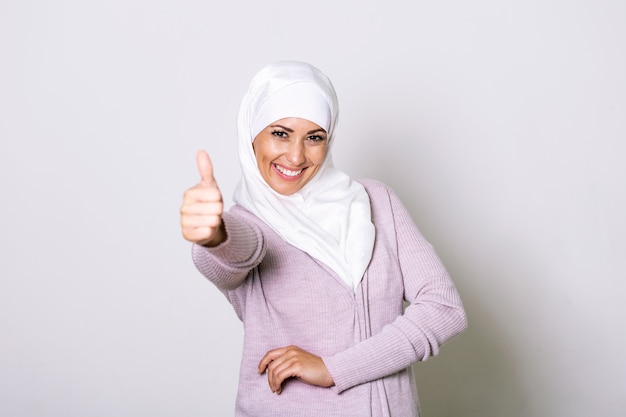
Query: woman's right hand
[201,212]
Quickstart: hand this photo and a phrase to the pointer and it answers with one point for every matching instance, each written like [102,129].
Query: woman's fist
[201,212]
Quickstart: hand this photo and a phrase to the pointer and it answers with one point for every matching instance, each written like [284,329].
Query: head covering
[303,100]
[330,217]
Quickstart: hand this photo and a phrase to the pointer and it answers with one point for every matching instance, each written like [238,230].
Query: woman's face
[289,152]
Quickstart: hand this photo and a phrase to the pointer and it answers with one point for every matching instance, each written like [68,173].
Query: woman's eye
[279,133]
[317,138]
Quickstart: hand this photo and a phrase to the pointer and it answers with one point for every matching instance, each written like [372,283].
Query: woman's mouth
[288,172]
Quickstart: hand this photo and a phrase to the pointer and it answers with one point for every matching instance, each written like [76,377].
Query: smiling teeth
[287,172]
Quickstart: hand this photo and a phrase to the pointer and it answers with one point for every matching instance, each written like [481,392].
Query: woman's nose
[295,153]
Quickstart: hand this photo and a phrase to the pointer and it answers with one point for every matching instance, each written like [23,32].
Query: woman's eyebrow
[282,127]
[291,130]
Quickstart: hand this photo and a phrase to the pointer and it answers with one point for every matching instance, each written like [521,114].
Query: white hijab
[330,217]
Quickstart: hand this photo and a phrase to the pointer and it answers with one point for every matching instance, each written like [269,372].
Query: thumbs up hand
[201,212]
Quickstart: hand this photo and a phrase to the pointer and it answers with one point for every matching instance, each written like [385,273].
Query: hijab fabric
[330,217]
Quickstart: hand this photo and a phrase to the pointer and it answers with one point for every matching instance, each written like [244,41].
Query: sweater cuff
[374,358]
[241,244]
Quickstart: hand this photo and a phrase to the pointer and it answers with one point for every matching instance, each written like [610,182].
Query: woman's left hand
[291,361]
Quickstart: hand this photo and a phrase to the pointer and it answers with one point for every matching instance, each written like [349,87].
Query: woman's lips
[288,173]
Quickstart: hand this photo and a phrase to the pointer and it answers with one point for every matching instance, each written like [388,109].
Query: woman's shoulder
[375,188]
[383,198]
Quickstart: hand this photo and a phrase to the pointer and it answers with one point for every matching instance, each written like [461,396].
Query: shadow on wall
[473,376]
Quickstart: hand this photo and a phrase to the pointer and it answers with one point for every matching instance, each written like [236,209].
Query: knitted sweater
[367,338]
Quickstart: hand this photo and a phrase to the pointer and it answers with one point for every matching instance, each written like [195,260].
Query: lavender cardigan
[366,338]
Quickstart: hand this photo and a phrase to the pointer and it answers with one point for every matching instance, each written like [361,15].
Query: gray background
[500,124]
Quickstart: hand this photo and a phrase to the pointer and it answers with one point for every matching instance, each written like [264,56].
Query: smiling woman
[317,266]
[289,152]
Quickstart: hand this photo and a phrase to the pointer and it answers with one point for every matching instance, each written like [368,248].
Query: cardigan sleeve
[228,264]
[434,315]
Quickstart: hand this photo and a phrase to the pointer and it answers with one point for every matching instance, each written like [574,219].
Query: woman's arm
[225,247]
[228,264]
[434,315]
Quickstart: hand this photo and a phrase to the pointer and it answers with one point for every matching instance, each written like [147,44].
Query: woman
[317,266]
